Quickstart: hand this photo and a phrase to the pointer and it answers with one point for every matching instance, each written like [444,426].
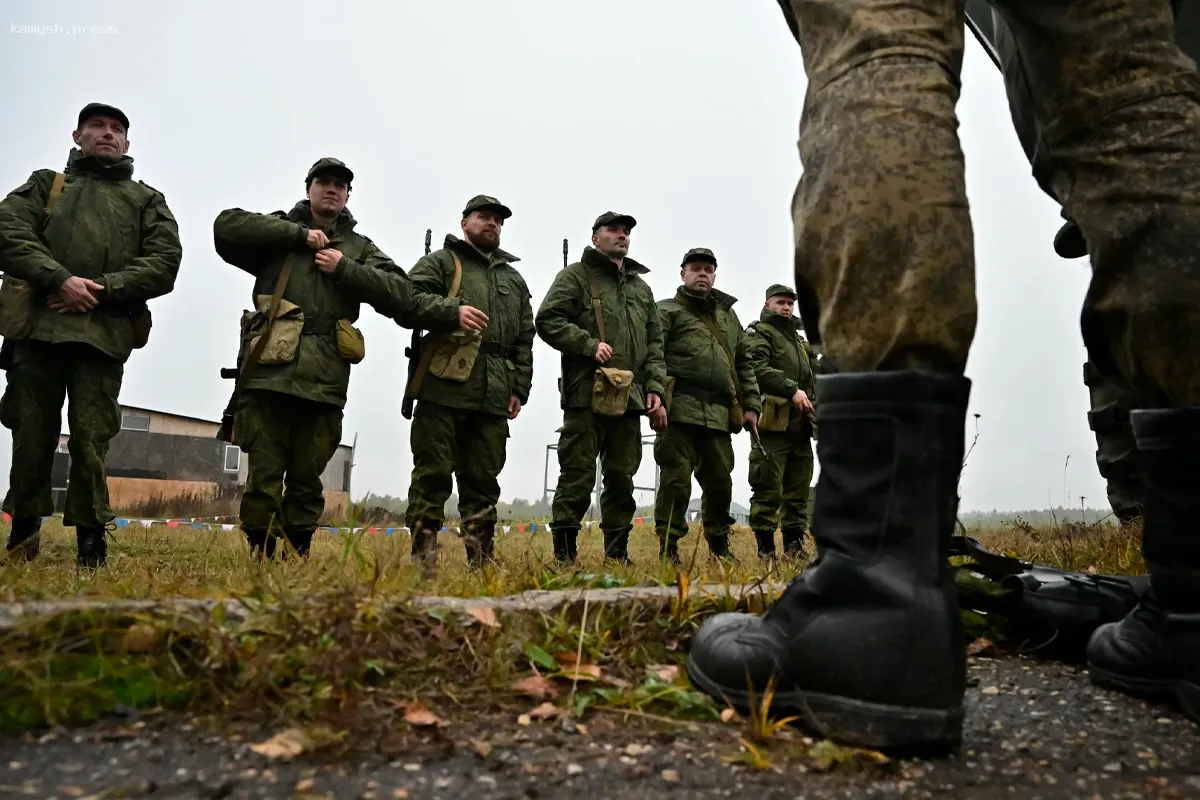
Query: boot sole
[1185,692]
[897,729]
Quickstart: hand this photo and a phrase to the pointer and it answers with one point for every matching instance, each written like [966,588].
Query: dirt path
[1035,730]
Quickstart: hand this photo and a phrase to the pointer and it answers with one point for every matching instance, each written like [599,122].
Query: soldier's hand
[317,239]
[327,260]
[603,353]
[75,295]
[750,418]
[658,417]
[801,401]
[471,319]
[514,407]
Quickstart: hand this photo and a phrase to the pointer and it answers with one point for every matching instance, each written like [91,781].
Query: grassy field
[332,648]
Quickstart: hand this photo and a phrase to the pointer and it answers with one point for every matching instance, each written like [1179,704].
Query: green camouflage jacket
[782,363]
[704,387]
[567,322]
[504,366]
[105,226]
[259,244]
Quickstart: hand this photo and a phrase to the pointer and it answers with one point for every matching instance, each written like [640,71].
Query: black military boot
[261,545]
[1155,650]
[566,544]
[766,543]
[424,543]
[866,646]
[616,544]
[793,541]
[92,546]
[718,545]
[479,540]
[300,540]
[25,538]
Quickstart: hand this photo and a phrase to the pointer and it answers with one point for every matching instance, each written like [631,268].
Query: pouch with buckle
[610,391]
[454,355]
[351,344]
[283,340]
[16,308]
[775,413]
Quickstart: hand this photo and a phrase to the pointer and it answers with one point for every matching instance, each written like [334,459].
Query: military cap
[330,165]
[483,201]
[699,254]
[101,110]
[609,217]
[777,289]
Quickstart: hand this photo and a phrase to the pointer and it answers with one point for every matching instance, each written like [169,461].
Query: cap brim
[504,211]
[697,258]
[345,172]
[782,294]
[103,111]
[629,222]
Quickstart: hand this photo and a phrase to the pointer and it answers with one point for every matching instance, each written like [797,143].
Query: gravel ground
[1035,731]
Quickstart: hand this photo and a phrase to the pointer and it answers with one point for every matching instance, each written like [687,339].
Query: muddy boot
[766,544]
[92,546]
[300,541]
[424,544]
[566,544]
[616,544]
[25,539]
[718,545]
[793,542]
[479,540]
[1155,651]
[866,646]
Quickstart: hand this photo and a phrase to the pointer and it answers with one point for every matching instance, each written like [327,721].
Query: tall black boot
[1155,650]
[424,543]
[479,540]
[866,646]
[25,538]
[92,544]
[718,544]
[616,544]
[566,544]
[261,545]
[300,540]
[793,541]
[766,543]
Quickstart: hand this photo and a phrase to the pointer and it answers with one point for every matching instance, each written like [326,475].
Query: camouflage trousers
[682,451]
[884,254]
[617,442]
[41,376]
[780,482]
[288,441]
[450,443]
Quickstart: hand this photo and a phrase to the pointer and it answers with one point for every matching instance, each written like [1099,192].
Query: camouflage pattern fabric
[1113,102]
[289,442]
[617,441]
[452,443]
[687,449]
[106,227]
[41,377]
[781,482]
[491,284]
[704,386]
[1116,455]
[259,244]
[566,321]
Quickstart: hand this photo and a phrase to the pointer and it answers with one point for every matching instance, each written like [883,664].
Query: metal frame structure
[598,486]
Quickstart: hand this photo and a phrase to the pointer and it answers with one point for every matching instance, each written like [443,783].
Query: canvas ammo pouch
[283,338]
[610,391]
[351,344]
[454,355]
[16,295]
[776,412]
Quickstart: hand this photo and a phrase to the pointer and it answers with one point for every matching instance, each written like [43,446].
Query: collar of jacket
[705,303]
[119,170]
[594,258]
[302,212]
[465,248]
[785,324]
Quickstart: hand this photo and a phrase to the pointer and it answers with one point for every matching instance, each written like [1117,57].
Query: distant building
[740,514]
[160,458]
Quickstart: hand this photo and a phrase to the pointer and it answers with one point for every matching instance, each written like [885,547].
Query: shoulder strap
[285,272]
[711,323]
[418,378]
[457,282]
[597,306]
[55,190]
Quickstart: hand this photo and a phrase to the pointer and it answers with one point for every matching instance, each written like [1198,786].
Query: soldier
[318,269]
[781,477]
[867,644]
[711,394]
[600,314]
[475,374]
[82,252]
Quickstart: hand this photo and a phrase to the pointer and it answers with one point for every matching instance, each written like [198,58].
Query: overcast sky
[683,113]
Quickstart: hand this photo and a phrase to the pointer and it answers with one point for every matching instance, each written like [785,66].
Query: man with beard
[780,478]
[475,374]
[601,316]
[319,269]
[82,252]
[713,394]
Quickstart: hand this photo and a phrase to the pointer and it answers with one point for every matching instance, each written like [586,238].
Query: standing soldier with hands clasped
[312,270]
[600,315]
[781,473]
[82,252]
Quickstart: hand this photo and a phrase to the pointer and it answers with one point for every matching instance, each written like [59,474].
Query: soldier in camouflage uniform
[107,245]
[710,382]
[781,478]
[460,427]
[289,421]
[867,644]
[630,340]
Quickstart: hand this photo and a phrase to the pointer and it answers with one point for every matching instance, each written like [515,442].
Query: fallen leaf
[728,715]
[305,785]
[294,741]
[523,720]
[981,647]
[827,755]
[418,715]
[545,711]
[990,690]
[582,672]
[670,776]
[566,660]
[485,614]
[667,674]
[481,747]
[536,686]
